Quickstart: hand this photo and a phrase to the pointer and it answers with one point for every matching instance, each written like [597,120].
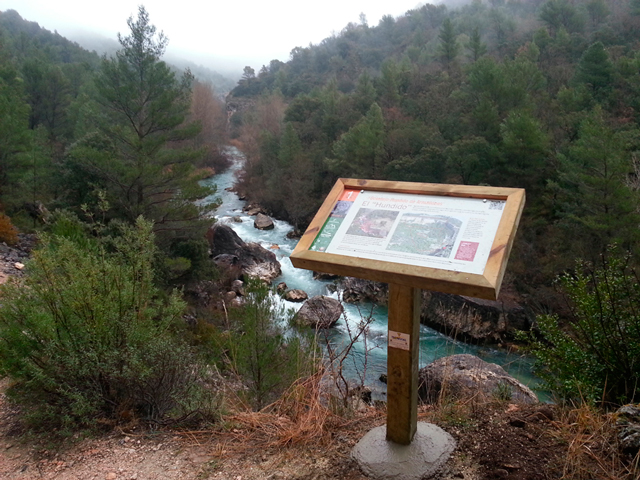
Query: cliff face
[465,318]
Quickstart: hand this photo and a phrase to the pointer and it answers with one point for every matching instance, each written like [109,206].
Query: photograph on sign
[451,233]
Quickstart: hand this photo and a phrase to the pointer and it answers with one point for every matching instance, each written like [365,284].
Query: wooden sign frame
[485,285]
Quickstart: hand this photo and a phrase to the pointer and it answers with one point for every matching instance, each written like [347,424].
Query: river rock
[296,295]
[319,312]
[465,376]
[252,209]
[266,272]
[281,288]
[251,259]
[628,424]
[263,222]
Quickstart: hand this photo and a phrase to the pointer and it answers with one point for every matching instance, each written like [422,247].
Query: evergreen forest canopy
[107,137]
[543,95]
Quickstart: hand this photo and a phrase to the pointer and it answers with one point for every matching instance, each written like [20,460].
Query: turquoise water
[433,344]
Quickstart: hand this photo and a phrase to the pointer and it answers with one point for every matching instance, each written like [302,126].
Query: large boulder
[465,376]
[263,222]
[248,259]
[474,319]
[319,312]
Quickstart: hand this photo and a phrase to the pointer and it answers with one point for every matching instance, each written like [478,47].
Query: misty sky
[250,32]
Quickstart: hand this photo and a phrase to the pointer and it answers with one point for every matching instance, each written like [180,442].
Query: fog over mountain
[222,36]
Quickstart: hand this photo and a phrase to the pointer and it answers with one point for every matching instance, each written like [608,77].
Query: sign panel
[452,233]
[448,238]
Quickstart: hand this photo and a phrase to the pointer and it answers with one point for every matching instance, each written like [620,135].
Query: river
[433,344]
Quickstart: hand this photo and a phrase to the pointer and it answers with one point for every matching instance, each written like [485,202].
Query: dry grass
[576,443]
[299,418]
[593,450]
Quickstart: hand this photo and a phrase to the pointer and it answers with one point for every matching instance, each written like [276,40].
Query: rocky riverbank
[469,319]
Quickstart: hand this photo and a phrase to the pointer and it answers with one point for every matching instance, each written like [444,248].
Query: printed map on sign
[452,233]
[421,234]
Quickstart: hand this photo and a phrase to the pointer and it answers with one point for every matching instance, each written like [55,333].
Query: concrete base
[380,459]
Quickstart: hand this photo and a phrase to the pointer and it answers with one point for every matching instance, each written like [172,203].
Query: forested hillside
[543,95]
[110,137]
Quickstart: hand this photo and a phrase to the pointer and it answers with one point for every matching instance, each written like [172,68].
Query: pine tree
[449,46]
[15,137]
[359,151]
[597,205]
[595,69]
[140,118]
[475,46]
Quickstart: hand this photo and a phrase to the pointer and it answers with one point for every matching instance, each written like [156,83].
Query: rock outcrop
[13,259]
[465,318]
[465,376]
[473,319]
[240,258]
[319,312]
[253,209]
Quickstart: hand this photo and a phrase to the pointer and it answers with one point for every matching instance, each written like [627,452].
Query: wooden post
[402,363]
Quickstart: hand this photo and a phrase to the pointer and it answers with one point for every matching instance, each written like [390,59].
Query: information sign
[451,233]
[451,238]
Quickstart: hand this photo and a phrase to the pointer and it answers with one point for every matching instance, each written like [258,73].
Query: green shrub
[596,356]
[268,357]
[88,337]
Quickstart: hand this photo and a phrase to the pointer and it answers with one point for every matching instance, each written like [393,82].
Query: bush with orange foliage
[8,233]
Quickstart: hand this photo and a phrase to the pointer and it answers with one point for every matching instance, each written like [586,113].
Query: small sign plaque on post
[399,340]
[446,238]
